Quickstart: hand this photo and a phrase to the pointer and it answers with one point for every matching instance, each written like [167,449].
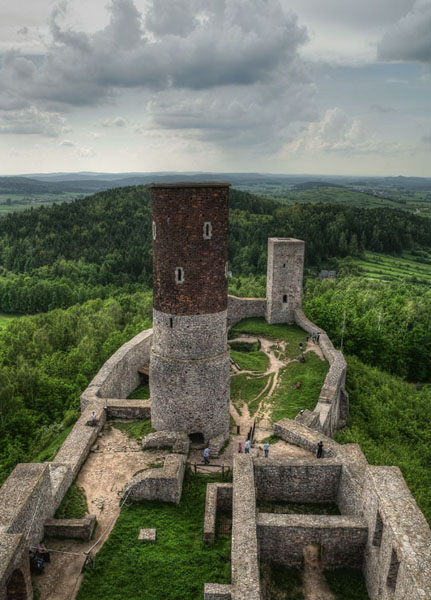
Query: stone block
[217,591]
[77,529]
[147,535]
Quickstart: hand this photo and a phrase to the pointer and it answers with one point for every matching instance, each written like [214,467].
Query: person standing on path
[318,337]
[239,448]
[266,449]
[319,450]
[247,447]
[206,456]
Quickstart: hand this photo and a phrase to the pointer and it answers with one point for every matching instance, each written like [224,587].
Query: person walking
[301,346]
[318,337]
[266,449]
[240,448]
[247,447]
[319,450]
[206,456]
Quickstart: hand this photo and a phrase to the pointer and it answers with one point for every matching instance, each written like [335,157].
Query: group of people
[38,558]
[314,337]
[246,449]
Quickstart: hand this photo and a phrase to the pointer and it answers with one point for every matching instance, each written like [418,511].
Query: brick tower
[284,279]
[189,363]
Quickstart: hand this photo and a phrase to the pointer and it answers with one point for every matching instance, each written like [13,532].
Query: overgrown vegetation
[177,566]
[281,582]
[389,419]
[134,429]
[47,360]
[347,584]
[288,399]
[74,504]
[140,393]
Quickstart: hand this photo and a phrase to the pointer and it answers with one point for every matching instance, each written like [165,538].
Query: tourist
[307,338]
[206,456]
[240,448]
[247,447]
[42,552]
[318,337]
[301,346]
[319,450]
[277,343]
[266,449]
[313,337]
[93,419]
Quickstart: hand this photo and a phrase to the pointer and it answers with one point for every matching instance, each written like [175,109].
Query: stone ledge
[217,496]
[217,591]
[76,529]
[147,535]
[164,484]
[128,409]
[177,440]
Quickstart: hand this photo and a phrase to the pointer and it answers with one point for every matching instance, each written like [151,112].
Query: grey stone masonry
[129,409]
[164,484]
[26,501]
[284,279]
[177,440]
[147,535]
[244,308]
[282,538]
[14,559]
[79,529]
[217,591]
[245,563]
[398,553]
[218,495]
[119,376]
[297,480]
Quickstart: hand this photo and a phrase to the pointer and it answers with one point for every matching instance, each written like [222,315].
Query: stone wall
[332,406]
[163,484]
[119,376]
[14,567]
[245,563]
[77,529]
[282,538]
[297,480]
[218,496]
[244,308]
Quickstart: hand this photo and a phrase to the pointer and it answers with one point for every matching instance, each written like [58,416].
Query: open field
[5,319]
[10,203]
[382,266]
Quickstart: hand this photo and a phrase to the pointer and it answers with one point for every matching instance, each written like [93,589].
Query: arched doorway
[16,588]
[197,439]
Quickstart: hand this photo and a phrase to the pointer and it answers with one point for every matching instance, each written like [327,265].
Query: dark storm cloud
[409,39]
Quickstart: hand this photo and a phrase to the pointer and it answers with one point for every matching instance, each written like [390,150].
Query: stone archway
[16,588]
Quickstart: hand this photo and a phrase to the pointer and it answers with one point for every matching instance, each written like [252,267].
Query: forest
[81,272]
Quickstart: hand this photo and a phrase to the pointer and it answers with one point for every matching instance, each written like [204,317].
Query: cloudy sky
[282,86]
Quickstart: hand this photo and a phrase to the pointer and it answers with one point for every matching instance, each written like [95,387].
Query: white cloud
[339,133]
[409,39]
[115,122]
[67,144]
[31,121]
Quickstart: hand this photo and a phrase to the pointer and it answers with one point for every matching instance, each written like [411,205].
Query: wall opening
[208,230]
[285,299]
[16,588]
[391,581]
[378,530]
[197,438]
[171,322]
[179,275]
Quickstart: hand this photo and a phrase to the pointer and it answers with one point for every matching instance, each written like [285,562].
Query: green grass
[140,393]
[244,389]
[292,334]
[74,504]
[5,319]
[244,346]
[347,584]
[134,429]
[281,582]
[390,268]
[287,401]
[294,508]
[251,361]
[177,566]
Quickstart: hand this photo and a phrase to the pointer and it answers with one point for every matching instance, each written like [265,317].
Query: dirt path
[315,586]
[103,477]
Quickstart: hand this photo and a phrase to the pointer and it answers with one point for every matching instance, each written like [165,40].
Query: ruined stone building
[380,528]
